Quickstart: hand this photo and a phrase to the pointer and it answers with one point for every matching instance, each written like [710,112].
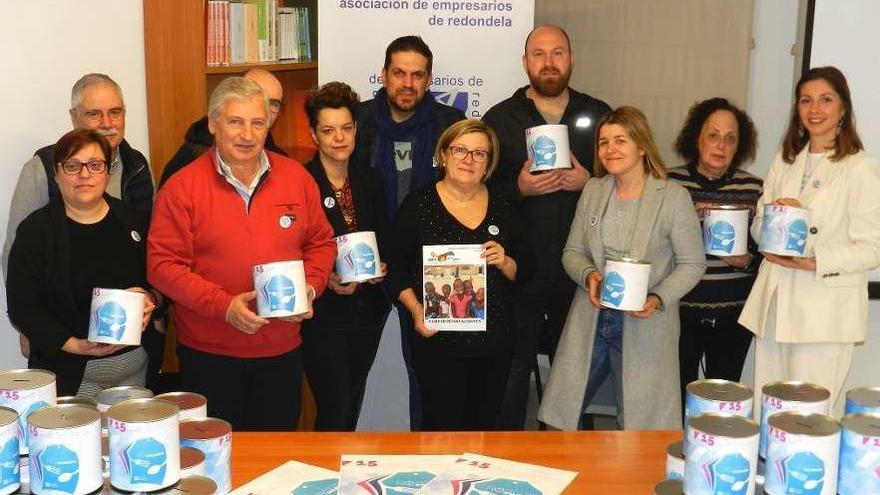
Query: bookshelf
[179,82]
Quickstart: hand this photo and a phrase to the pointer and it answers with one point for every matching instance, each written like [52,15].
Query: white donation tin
[116,316]
[65,450]
[26,391]
[718,396]
[721,454]
[10,475]
[281,289]
[357,257]
[802,455]
[784,230]
[548,147]
[111,396]
[192,462]
[669,487]
[726,230]
[191,404]
[144,445]
[625,284]
[790,396]
[859,455]
[675,460]
[862,400]
[214,438]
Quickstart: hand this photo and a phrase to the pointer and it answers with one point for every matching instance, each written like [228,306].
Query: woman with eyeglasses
[84,240]
[461,374]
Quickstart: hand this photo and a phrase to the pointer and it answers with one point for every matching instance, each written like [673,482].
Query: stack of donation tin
[124,441]
[796,448]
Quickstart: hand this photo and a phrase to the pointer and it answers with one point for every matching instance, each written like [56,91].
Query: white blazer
[830,304]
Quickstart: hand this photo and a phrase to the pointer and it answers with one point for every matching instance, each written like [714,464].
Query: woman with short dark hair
[340,342]
[716,138]
[84,240]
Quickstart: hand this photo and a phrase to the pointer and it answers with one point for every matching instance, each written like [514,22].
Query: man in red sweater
[234,207]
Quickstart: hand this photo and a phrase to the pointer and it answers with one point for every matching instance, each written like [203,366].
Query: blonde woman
[628,210]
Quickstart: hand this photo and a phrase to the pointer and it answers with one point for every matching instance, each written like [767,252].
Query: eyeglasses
[73,167]
[276,105]
[115,114]
[460,153]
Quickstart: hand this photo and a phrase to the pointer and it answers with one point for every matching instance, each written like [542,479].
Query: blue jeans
[607,359]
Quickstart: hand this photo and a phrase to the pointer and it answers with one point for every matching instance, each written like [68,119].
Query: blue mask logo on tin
[55,468]
[796,240]
[503,486]
[9,473]
[280,292]
[544,151]
[720,236]
[110,320]
[729,475]
[803,473]
[613,289]
[316,487]
[406,483]
[361,260]
[145,460]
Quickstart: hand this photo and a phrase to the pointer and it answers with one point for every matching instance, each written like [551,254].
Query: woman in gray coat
[628,210]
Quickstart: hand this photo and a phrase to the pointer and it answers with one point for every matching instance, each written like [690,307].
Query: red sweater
[204,241]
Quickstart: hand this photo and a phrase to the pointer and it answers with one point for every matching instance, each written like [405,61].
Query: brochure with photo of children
[454,294]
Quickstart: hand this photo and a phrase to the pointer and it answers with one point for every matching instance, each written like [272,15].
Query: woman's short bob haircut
[77,139]
[635,124]
[687,143]
[333,95]
[469,126]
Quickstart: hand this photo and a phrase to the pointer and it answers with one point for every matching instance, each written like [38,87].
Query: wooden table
[608,462]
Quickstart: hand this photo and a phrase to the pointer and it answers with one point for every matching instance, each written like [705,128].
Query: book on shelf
[254,31]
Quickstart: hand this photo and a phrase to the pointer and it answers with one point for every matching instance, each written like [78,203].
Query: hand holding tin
[309,313]
[240,316]
[574,178]
[738,261]
[787,202]
[149,305]
[343,289]
[652,304]
[85,348]
[383,270]
[594,288]
[530,184]
[796,263]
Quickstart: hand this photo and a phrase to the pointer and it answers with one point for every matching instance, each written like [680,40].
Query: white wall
[49,45]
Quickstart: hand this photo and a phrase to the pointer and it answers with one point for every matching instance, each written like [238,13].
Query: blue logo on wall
[110,318]
[452,98]
[797,236]
[280,293]
[613,288]
[720,236]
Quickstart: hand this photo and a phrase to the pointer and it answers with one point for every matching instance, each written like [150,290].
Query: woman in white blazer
[807,313]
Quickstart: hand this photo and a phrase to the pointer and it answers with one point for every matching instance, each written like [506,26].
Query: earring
[839,127]
[800,130]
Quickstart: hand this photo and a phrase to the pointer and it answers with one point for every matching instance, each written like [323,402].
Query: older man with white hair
[235,207]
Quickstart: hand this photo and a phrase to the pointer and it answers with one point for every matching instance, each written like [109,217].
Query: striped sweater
[722,287]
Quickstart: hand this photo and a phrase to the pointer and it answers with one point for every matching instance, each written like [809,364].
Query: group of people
[418,173]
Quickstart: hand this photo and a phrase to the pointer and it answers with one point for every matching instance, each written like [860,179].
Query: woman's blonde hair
[469,126]
[635,124]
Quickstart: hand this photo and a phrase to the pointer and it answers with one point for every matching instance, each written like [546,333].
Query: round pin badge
[493,230]
[285,221]
[329,202]
[135,236]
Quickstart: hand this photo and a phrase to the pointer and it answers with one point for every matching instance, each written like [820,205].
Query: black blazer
[38,296]
[369,205]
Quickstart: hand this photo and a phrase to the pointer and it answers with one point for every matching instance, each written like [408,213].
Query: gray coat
[668,236]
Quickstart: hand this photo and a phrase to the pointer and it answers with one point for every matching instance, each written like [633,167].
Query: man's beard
[549,87]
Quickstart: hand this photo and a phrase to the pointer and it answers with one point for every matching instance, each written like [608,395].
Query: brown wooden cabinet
[179,82]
